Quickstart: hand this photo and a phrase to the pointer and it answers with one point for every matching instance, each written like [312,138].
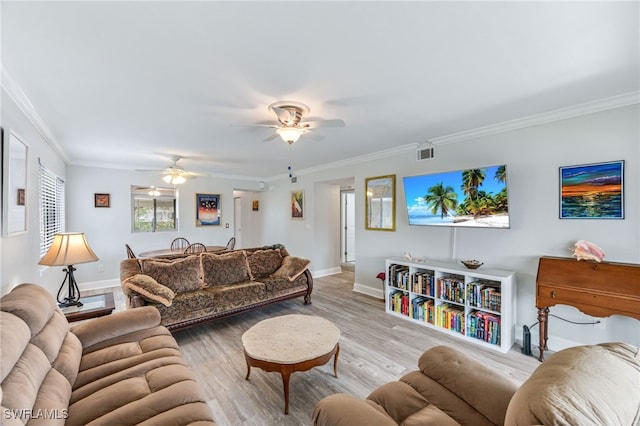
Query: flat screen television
[463,198]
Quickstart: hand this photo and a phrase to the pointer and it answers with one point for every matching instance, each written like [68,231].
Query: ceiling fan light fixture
[174,178]
[290,134]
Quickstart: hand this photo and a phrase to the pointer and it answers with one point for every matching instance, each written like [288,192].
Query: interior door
[237,221]
[348,226]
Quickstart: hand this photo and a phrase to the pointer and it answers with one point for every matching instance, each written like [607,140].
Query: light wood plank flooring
[375,348]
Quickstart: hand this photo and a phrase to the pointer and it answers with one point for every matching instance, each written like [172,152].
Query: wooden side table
[92,307]
[597,289]
[291,343]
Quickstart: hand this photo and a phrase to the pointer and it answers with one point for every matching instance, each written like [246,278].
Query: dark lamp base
[66,303]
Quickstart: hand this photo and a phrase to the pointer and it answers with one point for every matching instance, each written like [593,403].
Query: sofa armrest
[347,410]
[116,325]
[481,387]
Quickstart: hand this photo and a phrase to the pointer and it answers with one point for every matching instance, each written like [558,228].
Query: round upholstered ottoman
[290,343]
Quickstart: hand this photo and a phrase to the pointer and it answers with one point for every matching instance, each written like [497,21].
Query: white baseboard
[369,291]
[97,285]
[325,272]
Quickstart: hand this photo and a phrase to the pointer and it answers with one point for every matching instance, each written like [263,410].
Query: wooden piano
[597,289]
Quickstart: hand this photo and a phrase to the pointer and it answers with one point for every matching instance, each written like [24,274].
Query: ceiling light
[174,178]
[290,134]
[154,193]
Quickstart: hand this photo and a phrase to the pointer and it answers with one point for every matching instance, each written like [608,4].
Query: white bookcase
[477,305]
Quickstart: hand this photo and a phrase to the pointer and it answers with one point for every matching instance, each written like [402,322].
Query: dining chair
[195,248]
[179,243]
[231,243]
[130,253]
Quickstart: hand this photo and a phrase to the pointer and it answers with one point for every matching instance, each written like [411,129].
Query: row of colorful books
[422,309]
[451,289]
[450,317]
[484,294]
[481,325]
[424,283]
[399,302]
[484,326]
[399,276]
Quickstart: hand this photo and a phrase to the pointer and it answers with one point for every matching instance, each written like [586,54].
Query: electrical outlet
[601,324]
[100,268]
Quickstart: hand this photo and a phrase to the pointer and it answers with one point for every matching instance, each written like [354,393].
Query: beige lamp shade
[68,248]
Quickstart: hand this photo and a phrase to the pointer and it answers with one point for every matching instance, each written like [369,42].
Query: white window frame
[145,193]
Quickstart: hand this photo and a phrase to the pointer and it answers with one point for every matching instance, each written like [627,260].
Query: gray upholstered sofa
[121,369]
[587,385]
[193,289]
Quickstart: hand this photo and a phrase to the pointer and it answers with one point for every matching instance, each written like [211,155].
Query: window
[51,207]
[153,209]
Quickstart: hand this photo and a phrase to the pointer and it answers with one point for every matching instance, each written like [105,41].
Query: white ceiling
[122,84]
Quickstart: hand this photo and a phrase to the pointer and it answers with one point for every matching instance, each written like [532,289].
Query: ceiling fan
[292,121]
[174,173]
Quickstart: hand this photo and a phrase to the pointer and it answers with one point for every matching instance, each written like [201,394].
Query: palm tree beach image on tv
[462,198]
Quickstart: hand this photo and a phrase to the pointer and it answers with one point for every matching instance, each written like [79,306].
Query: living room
[580,130]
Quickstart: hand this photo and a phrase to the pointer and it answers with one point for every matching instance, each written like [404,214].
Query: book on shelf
[423,283]
[399,302]
[450,317]
[484,326]
[422,309]
[451,289]
[399,276]
[484,294]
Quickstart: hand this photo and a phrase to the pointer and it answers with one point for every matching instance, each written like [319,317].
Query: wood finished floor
[375,348]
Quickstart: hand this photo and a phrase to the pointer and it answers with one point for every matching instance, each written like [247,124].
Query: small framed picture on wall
[297,204]
[102,200]
[207,209]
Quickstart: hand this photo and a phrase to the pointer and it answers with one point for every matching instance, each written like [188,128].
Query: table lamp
[67,249]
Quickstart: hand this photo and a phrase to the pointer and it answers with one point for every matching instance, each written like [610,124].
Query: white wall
[109,229]
[20,253]
[533,156]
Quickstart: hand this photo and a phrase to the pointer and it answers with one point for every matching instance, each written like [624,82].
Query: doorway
[348,225]
[237,221]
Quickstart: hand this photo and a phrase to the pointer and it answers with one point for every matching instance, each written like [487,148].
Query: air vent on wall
[425,151]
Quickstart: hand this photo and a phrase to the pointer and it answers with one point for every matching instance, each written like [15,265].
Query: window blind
[52,211]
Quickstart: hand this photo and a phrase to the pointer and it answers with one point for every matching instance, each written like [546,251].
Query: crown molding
[600,105]
[17,95]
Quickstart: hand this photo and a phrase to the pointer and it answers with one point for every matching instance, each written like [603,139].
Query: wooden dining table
[169,251]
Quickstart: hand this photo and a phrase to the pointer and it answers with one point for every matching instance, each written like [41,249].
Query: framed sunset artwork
[592,191]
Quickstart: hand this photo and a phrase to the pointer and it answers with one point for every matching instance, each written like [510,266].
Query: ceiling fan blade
[190,175]
[273,126]
[336,122]
[270,138]
[316,137]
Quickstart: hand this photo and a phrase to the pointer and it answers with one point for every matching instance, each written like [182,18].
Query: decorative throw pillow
[227,268]
[263,263]
[149,289]
[180,275]
[292,267]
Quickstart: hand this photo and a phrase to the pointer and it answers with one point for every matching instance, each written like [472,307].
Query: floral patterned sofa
[193,289]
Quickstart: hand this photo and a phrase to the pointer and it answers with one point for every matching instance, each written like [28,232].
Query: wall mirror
[14,190]
[380,205]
